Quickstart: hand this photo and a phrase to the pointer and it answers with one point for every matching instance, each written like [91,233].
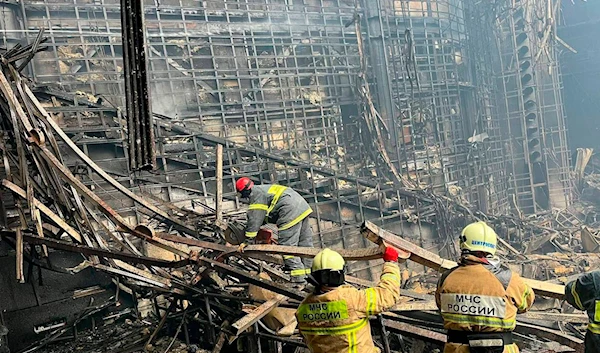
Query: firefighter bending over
[335,318]
[479,299]
[285,207]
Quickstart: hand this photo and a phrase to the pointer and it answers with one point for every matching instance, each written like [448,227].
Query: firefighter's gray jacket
[275,204]
[584,294]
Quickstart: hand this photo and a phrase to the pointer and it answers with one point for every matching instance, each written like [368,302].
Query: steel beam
[62,245]
[142,152]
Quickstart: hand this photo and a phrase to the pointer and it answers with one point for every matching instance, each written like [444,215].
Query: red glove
[390,254]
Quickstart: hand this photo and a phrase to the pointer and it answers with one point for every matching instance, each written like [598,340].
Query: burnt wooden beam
[380,236]
[250,250]
[414,331]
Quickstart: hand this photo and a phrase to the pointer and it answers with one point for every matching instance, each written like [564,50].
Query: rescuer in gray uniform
[584,294]
[285,207]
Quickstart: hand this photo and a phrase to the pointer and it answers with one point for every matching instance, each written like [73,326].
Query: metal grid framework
[443,107]
[530,88]
[276,77]
[262,73]
[274,81]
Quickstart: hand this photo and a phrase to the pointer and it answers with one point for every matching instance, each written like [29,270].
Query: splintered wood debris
[205,293]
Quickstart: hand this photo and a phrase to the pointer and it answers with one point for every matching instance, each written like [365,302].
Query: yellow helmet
[478,236]
[328,259]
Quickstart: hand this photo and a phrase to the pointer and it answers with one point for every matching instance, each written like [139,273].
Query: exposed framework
[446,144]
[271,76]
[275,82]
[530,86]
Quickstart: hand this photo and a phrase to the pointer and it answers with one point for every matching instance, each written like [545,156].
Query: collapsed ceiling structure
[417,116]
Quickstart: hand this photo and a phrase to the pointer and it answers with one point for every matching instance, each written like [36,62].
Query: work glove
[390,254]
[243,245]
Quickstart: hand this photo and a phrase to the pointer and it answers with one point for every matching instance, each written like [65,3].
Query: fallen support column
[62,245]
[429,259]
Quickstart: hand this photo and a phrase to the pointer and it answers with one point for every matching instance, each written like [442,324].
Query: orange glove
[390,254]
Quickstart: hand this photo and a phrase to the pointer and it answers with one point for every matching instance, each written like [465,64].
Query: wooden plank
[546,289]
[245,322]
[219,193]
[431,260]
[130,275]
[221,340]
[348,254]
[252,250]
[553,335]
[415,306]
[127,267]
[417,254]
[414,331]
[19,255]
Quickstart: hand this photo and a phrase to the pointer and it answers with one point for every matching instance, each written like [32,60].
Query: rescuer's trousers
[297,235]
[592,342]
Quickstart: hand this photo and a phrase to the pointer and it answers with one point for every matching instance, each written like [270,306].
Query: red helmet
[243,184]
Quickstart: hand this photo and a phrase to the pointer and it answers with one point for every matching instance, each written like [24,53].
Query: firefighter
[479,299]
[285,207]
[335,317]
[584,294]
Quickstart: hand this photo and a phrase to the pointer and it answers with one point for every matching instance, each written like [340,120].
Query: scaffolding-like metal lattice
[276,83]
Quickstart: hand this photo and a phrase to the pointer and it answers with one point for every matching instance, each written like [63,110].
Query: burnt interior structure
[379,110]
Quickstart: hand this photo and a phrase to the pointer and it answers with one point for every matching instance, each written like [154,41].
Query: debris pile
[195,288]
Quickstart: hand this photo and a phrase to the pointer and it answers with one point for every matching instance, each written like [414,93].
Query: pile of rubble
[205,294]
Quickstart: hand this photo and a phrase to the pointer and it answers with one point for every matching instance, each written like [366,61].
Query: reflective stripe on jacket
[338,320]
[584,294]
[277,204]
[472,298]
